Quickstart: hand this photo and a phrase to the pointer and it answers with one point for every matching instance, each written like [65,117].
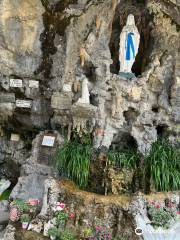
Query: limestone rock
[20,55]
[51,195]
[61,101]
[4,213]
[4,184]
[47,226]
[9,233]
[28,235]
[135,94]
[30,186]
[36,227]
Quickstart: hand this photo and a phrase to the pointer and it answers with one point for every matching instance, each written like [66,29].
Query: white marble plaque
[23,103]
[16,83]
[15,137]
[33,84]
[61,101]
[66,88]
[48,141]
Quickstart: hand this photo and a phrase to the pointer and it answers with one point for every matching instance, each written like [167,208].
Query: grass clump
[127,158]
[73,159]
[163,166]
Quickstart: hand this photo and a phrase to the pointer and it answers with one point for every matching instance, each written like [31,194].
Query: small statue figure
[129,45]
[83,55]
[85,93]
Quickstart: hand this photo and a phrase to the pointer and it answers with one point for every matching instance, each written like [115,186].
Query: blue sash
[130,47]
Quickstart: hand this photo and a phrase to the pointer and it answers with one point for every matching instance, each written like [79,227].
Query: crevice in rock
[89,71]
[162,131]
[94,100]
[55,22]
[155,109]
[142,18]
[130,116]
[122,141]
[11,171]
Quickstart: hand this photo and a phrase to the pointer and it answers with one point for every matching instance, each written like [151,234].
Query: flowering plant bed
[62,214]
[100,237]
[20,207]
[99,231]
[162,215]
[64,220]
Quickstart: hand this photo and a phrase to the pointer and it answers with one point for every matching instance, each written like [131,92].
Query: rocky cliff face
[58,43]
[48,47]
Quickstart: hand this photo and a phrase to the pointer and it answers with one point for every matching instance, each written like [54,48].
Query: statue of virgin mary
[129,45]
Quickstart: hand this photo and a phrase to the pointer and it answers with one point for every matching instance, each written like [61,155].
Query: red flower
[158,206]
[178,212]
[72,215]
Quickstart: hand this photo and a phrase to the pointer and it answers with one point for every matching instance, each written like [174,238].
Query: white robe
[126,65]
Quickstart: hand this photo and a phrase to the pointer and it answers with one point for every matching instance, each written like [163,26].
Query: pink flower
[158,206]
[14,214]
[72,215]
[109,235]
[33,202]
[98,228]
[178,212]
[152,202]
[60,206]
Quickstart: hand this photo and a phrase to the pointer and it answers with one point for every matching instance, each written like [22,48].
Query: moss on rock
[28,235]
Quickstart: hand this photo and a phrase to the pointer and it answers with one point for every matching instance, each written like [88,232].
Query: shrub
[61,217]
[87,232]
[25,218]
[163,166]
[53,232]
[73,159]
[67,235]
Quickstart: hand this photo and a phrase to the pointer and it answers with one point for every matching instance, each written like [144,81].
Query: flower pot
[25,225]
[52,237]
